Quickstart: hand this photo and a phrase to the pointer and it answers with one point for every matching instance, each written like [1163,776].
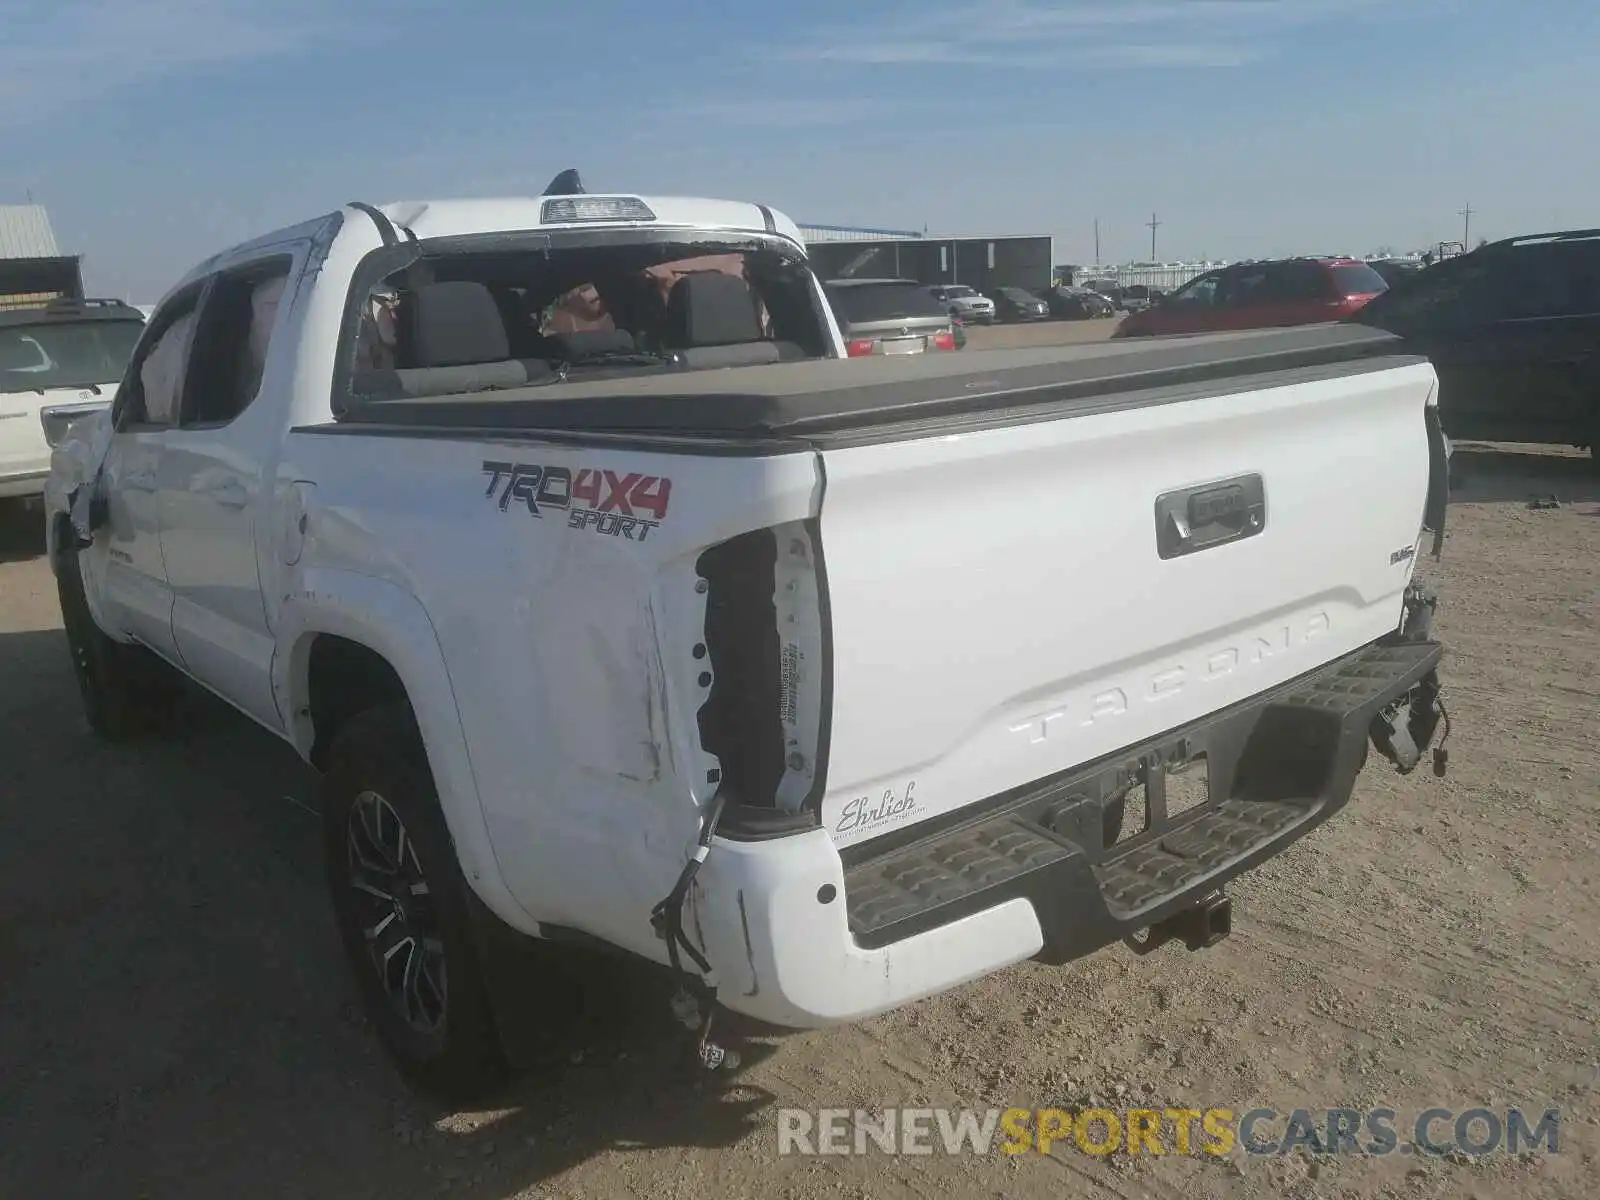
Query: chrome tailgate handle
[1189,520]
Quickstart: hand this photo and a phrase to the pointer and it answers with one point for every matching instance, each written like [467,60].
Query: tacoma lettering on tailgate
[609,503]
[1220,662]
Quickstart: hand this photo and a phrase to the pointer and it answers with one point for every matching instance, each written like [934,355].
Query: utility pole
[1466,226]
[1152,226]
[1097,241]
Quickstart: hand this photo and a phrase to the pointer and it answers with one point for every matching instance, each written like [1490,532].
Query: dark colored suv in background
[1290,291]
[1017,304]
[1513,329]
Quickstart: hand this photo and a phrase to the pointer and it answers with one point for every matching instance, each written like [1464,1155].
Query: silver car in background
[964,303]
[889,316]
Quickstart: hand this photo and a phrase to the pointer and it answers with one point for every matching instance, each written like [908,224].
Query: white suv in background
[57,362]
[964,303]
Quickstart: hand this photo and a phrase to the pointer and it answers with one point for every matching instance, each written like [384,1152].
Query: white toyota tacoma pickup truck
[56,362]
[619,608]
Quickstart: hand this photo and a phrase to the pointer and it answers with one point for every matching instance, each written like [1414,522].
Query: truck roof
[834,396]
[465,217]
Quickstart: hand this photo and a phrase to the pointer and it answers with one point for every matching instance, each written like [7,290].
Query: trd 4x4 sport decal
[604,501]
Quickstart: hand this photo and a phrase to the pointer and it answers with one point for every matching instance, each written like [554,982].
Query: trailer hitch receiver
[1199,926]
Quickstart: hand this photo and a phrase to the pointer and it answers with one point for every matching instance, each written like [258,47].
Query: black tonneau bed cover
[832,398]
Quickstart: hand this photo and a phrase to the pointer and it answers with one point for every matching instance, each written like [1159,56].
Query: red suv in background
[1290,291]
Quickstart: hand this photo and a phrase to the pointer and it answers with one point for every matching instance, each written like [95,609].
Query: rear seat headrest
[712,308]
[451,324]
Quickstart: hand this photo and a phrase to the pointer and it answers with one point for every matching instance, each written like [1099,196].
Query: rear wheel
[401,906]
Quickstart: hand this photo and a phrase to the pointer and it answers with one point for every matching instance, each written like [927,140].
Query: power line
[1152,225]
[1466,226]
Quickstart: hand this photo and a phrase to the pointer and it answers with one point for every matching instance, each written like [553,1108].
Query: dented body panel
[572,641]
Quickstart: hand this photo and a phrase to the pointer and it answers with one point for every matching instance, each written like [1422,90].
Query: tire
[123,688]
[413,952]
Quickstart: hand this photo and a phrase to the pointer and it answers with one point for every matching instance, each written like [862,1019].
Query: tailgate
[1013,601]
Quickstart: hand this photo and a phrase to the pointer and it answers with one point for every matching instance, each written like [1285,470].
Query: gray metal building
[32,268]
[25,232]
[985,263]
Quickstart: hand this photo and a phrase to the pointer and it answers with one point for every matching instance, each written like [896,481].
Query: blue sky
[158,131]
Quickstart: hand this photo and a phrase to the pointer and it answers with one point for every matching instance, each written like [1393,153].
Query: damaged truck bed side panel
[563,583]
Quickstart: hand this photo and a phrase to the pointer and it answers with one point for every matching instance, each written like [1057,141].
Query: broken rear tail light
[764,667]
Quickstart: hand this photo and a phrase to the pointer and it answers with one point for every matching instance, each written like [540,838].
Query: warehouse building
[32,268]
[984,263]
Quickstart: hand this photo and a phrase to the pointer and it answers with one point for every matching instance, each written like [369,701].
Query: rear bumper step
[1277,766]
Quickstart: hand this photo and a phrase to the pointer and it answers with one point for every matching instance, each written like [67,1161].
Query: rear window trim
[377,264]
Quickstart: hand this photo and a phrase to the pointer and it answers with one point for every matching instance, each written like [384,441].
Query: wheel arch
[348,641]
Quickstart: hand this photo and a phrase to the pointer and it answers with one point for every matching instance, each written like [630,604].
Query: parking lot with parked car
[175,1024]
[1513,330]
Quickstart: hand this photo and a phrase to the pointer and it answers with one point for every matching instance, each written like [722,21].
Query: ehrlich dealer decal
[865,814]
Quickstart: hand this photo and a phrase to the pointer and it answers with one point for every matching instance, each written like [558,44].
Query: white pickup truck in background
[57,362]
[619,608]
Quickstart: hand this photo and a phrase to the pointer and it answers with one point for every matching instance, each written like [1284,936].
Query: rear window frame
[380,263]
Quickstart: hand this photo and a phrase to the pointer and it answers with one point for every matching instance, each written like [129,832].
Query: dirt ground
[175,1018]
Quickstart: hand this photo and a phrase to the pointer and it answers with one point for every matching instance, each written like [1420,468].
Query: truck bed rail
[843,401]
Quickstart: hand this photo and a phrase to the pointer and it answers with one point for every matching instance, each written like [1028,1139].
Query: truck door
[138,599]
[214,487]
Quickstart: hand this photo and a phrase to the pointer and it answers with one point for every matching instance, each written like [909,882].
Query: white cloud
[1084,33]
[55,55]
[799,113]
[1188,54]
